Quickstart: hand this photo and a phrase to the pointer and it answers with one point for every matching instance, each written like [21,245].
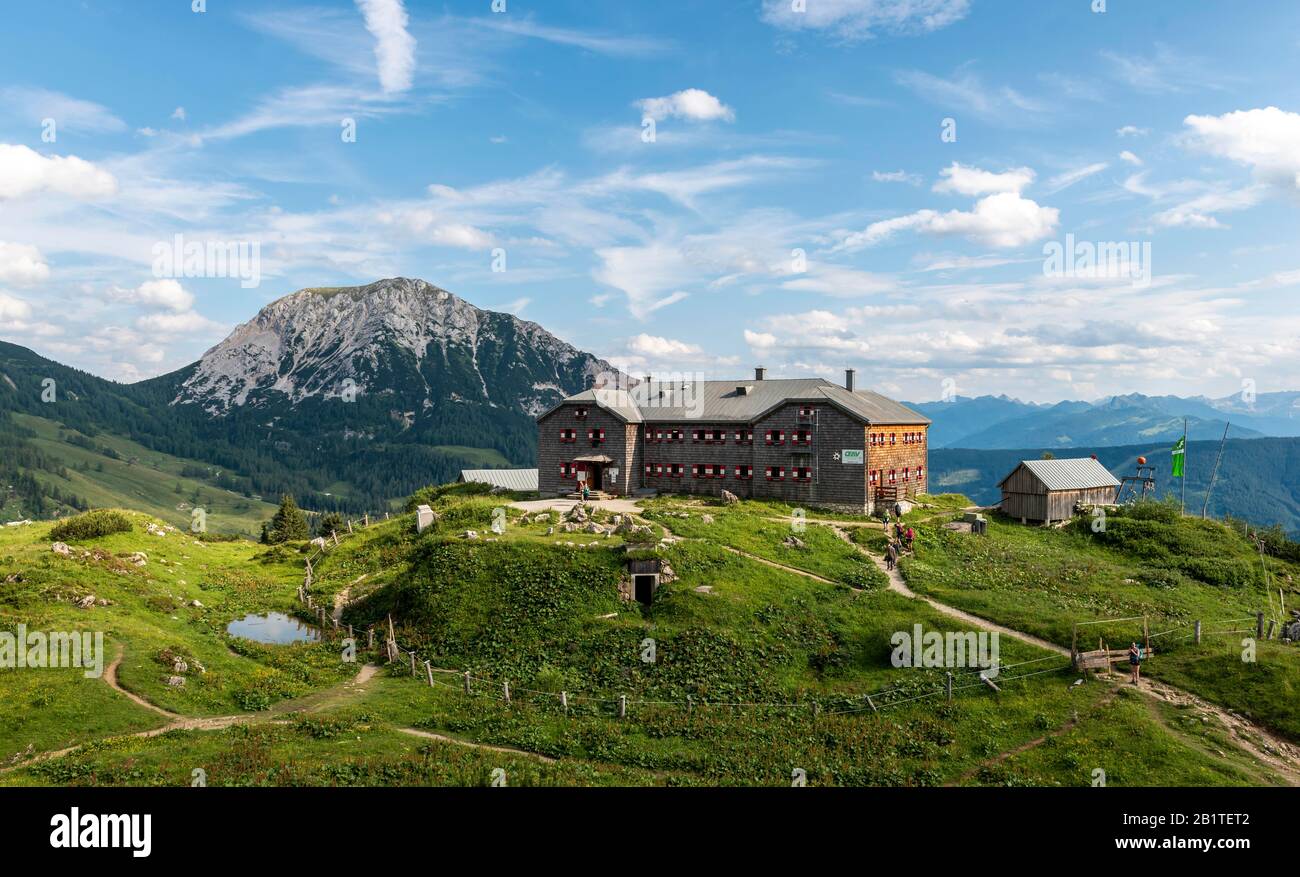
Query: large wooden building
[1049,490]
[806,441]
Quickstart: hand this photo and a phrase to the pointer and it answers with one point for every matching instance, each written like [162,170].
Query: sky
[911,188]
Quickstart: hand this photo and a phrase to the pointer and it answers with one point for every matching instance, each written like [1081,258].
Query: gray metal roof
[741,401]
[509,479]
[1079,474]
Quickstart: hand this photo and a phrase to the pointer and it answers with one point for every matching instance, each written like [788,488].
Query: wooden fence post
[428,668]
[349,526]
[871,703]
[370,638]
[1259,625]
[412,663]
[336,538]
[505,690]
[1198,633]
[467,691]
[622,706]
[949,685]
[564,701]
[1272,623]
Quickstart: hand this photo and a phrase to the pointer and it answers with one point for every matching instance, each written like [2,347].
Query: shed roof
[742,401]
[508,479]
[1077,474]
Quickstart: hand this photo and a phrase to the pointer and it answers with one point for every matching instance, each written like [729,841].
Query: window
[893,476]
[596,434]
[802,437]
[649,434]
[568,470]
[659,435]
[774,437]
[906,475]
[675,470]
[775,473]
[580,413]
[696,470]
[875,476]
[803,473]
[807,411]
[659,469]
[568,435]
[744,436]
[676,435]
[697,435]
[920,473]
[744,473]
[893,438]
[715,435]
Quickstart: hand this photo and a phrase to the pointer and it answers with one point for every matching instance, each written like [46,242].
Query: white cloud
[1199,212]
[1132,131]
[1004,220]
[1069,178]
[896,177]
[973,181]
[691,103]
[179,114]
[839,281]
[967,93]
[184,323]
[24,172]
[394,46]
[1266,140]
[657,347]
[860,19]
[13,309]
[22,264]
[167,293]
[1130,158]
[34,105]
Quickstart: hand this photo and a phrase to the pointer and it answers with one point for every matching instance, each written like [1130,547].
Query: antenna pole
[1183,510]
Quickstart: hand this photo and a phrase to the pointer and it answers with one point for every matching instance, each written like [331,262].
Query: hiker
[909,537]
[1135,661]
[898,530]
[586,494]
[891,556]
[886,516]
[898,510]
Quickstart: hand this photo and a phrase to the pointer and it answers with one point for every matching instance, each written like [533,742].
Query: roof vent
[744,390]
[760,373]
[849,379]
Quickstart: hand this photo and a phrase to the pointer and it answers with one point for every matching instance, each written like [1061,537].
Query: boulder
[707,519]
[729,498]
[469,534]
[176,681]
[139,558]
[61,548]
[793,542]
[86,602]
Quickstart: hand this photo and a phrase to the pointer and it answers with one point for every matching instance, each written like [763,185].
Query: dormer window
[580,413]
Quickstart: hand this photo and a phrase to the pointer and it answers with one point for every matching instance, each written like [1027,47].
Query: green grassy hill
[752,666]
[108,471]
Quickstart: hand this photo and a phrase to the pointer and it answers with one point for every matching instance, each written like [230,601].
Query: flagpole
[1215,474]
[1183,511]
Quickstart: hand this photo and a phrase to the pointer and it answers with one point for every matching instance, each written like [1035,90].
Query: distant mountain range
[1000,422]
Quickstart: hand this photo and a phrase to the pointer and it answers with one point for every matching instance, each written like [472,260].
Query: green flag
[1180,452]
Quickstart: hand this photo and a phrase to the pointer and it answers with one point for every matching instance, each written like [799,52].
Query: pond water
[273,627]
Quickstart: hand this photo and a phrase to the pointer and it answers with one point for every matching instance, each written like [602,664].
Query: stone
[196,604]
[86,602]
[793,542]
[729,498]
[707,519]
[176,681]
[139,558]
[469,534]
[179,666]
[424,518]
[61,548]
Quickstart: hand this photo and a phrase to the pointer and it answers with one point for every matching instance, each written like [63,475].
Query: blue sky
[803,202]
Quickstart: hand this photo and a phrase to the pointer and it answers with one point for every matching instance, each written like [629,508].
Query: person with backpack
[909,537]
[1135,661]
[891,555]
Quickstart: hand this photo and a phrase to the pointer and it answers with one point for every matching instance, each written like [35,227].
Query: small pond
[273,627]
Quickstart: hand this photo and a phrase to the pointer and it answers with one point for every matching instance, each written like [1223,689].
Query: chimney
[760,373]
[849,375]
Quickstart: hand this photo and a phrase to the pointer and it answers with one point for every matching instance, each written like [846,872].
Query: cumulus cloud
[22,264]
[394,46]
[691,103]
[853,20]
[973,181]
[658,347]
[24,171]
[1266,140]
[1130,158]
[13,309]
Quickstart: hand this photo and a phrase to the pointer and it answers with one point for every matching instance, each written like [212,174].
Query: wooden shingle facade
[804,441]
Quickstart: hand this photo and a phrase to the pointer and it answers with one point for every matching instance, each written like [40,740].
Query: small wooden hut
[1048,490]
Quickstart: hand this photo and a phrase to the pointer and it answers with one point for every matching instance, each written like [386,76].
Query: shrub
[101,522]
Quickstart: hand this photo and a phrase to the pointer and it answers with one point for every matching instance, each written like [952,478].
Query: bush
[91,525]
